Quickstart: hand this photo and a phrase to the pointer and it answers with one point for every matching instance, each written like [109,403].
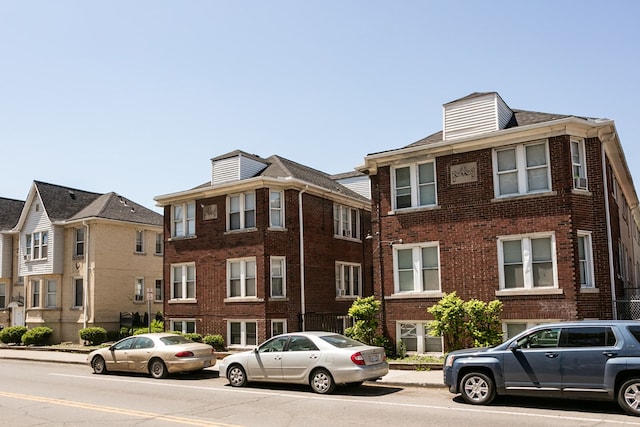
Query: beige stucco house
[75,259]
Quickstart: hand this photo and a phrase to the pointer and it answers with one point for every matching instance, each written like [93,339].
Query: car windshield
[175,339]
[341,341]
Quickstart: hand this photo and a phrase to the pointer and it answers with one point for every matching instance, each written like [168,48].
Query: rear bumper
[189,364]
[360,373]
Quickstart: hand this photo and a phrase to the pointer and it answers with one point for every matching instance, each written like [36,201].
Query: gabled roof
[9,213]
[62,203]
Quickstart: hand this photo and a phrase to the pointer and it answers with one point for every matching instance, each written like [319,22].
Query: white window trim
[583,165]
[242,211]
[521,169]
[415,187]
[140,234]
[527,264]
[280,210]
[243,278]
[138,297]
[31,246]
[284,325]
[155,289]
[159,244]
[36,302]
[283,261]
[49,294]
[589,259]
[74,287]
[78,241]
[243,333]
[184,267]
[173,322]
[418,286]
[344,229]
[348,293]
[420,335]
[185,220]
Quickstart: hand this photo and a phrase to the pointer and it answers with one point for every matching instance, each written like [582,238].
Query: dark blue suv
[597,360]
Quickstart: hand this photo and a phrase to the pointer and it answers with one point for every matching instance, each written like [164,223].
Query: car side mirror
[513,346]
[255,349]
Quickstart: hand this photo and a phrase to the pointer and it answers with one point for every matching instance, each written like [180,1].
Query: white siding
[6,249]
[37,220]
[475,116]
[234,169]
[359,184]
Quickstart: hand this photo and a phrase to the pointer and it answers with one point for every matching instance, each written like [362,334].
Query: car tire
[236,376]
[99,365]
[158,369]
[322,382]
[629,396]
[477,388]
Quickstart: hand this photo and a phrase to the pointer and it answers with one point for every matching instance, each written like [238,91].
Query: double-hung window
[37,245]
[278,276]
[78,292]
[185,326]
[242,333]
[241,211]
[159,244]
[417,337]
[416,268]
[348,280]
[522,169]
[183,281]
[241,278]
[346,221]
[3,295]
[578,164]
[159,291]
[52,299]
[276,209]
[527,262]
[414,185]
[184,220]
[139,241]
[585,260]
[35,293]
[78,247]
[138,291]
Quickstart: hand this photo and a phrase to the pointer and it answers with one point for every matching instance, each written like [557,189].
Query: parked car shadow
[548,403]
[363,390]
[180,376]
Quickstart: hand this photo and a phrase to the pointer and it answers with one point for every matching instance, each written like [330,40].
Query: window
[138,291]
[35,293]
[418,339]
[543,338]
[78,247]
[78,292]
[348,280]
[183,281]
[241,210]
[585,260]
[414,185]
[578,164]
[592,336]
[416,268]
[278,266]
[276,209]
[241,278]
[522,169]
[242,333]
[527,262]
[52,299]
[185,326]
[184,220]
[346,221]
[37,245]
[158,295]
[139,241]
[298,343]
[159,244]
[3,295]
[278,326]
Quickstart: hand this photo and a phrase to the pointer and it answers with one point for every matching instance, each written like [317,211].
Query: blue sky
[136,97]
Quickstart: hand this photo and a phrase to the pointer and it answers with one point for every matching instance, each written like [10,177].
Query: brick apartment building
[537,210]
[266,246]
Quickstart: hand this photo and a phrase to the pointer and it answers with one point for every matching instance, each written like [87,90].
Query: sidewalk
[395,377]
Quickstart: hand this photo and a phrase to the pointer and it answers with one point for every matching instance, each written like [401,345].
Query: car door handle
[277,357]
[551,355]
[609,353]
[313,356]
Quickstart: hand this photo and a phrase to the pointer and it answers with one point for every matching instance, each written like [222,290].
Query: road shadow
[178,376]
[362,391]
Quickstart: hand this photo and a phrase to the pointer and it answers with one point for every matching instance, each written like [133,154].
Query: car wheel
[99,365]
[236,376]
[629,396]
[322,381]
[477,388]
[157,369]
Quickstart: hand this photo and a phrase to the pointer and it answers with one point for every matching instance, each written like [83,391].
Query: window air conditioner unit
[580,183]
[27,257]
[138,298]
[341,292]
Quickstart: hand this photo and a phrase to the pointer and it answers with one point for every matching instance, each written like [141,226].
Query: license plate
[375,358]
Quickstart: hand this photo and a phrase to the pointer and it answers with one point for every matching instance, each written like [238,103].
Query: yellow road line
[93,407]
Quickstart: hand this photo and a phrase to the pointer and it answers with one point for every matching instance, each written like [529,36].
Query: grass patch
[418,358]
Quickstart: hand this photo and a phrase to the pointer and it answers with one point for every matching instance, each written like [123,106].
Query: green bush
[95,335]
[114,335]
[37,336]
[12,334]
[193,337]
[215,341]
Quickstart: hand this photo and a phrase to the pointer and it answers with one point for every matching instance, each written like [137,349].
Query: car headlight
[449,361]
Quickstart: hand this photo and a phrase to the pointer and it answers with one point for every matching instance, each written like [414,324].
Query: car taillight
[357,358]
[184,354]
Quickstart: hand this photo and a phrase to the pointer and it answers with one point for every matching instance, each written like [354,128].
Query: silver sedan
[320,359]
[159,354]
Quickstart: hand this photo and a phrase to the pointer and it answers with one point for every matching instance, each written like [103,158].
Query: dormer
[235,166]
[475,114]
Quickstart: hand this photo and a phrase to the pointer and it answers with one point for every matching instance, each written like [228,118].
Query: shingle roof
[64,203]
[10,211]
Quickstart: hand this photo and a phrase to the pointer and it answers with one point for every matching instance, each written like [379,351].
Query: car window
[341,341]
[298,343]
[635,331]
[276,344]
[588,336]
[143,342]
[124,344]
[175,339]
[543,338]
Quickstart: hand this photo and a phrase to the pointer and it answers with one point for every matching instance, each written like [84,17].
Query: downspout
[85,282]
[301,220]
[609,242]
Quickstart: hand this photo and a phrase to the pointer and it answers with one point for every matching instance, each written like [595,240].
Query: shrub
[37,336]
[95,335]
[215,341]
[113,335]
[365,315]
[193,337]
[12,334]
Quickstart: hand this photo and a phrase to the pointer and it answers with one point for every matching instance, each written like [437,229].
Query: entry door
[17,316]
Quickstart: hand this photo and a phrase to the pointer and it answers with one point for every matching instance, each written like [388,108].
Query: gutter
[85,282]
[607,215]
[302,279]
